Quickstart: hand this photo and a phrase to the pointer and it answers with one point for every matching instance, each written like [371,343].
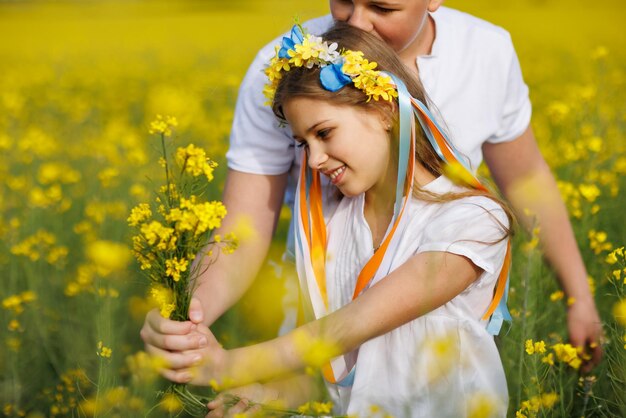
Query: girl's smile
[336,175]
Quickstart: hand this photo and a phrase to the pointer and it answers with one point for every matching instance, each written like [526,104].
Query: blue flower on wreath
[295,37]
[333,78]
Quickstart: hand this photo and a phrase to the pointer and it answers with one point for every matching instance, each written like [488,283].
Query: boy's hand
[585,330]
[173,341]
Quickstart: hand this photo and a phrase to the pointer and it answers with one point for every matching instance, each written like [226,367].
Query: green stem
[167,171]
[526,286]
[95,413]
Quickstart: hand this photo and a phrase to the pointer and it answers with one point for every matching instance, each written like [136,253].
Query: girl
[470,70]
[399,268]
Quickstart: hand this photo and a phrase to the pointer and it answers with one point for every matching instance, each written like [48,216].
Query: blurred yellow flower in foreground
[619,312]
[315,352]
[164,299]
[170,403]
[442,354]
[316,408]
[457,173]
[108,256]
[481,405]
[144,367]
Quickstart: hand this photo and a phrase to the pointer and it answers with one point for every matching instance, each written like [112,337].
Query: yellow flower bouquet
[175,228]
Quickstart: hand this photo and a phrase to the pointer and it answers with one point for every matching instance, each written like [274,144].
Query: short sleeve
[258,143]
[516,108]
[470,227]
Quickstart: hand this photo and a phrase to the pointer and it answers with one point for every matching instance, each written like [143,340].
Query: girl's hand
[249,397]
[172,341]
[204,366]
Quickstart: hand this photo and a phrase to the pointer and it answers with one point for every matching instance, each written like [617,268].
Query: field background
[80,82]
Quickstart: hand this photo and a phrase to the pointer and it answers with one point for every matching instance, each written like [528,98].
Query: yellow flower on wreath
[314,51]
[309,48]
[364,76]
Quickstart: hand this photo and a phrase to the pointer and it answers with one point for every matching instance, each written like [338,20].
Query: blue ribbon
[501,313]
[348,380]
[306,300]
[404,140]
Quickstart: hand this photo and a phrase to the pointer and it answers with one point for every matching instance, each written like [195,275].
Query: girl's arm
[283,394]
[423,283]
[524,177]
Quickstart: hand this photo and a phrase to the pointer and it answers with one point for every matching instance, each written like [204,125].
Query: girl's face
[400,23]
[347,144]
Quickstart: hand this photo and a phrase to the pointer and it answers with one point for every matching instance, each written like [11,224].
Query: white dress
[444,362]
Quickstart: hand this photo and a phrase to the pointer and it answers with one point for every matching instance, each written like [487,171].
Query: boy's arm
[250,198]
[252,201]
[525,179]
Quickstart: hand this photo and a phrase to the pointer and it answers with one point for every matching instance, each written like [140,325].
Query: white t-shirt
[472,76]
[441,362]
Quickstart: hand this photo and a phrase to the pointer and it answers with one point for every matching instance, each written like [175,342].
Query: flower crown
[337,68]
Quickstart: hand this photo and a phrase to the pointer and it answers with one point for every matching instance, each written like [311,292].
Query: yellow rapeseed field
[80,83]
